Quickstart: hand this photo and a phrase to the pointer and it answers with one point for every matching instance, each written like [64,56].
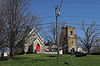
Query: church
[33,42]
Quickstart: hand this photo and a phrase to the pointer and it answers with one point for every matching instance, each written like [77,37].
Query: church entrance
[37,48]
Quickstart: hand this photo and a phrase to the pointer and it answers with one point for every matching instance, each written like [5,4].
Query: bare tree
[53,34]
[50,35]
[2,34]
[19,20]
[90,37]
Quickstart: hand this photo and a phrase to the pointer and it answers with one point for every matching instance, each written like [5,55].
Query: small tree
[91,36]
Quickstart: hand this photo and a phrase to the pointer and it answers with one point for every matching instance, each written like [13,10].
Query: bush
[80,55]
[95,53]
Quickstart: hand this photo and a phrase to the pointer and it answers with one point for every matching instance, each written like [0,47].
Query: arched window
[71,33]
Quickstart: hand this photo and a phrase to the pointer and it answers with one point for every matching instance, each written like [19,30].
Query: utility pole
[57,13]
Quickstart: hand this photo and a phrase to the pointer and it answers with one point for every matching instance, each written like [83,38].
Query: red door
[37,48]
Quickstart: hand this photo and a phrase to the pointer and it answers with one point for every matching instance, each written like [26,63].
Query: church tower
[68,39]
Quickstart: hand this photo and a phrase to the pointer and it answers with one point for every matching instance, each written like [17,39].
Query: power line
[81,17]
[60,4]
[46,17]
[77,23]
[48,23]
[76,5]
[97,17]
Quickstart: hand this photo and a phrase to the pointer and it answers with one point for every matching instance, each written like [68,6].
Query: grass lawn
[51,60]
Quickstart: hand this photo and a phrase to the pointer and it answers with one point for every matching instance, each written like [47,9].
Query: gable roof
[34,31]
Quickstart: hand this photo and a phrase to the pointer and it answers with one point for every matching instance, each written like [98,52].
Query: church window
[71,32]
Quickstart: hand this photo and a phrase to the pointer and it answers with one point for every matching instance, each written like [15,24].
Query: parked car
[47,50]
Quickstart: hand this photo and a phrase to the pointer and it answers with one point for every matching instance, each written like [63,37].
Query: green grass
[46,60]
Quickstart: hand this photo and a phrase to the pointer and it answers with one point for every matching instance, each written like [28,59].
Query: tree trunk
[88,51]
[11,52]
[2,55]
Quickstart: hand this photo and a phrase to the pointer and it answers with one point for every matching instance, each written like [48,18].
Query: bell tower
[68,39]
[71,38]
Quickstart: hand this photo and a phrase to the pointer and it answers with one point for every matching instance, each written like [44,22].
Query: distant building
[51,46]
[79,49]
[68,39]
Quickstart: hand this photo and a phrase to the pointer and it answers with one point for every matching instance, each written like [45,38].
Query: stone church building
[33,42]
[68,39]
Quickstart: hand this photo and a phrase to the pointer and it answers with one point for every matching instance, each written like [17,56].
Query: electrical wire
[65,23]
[81,17]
